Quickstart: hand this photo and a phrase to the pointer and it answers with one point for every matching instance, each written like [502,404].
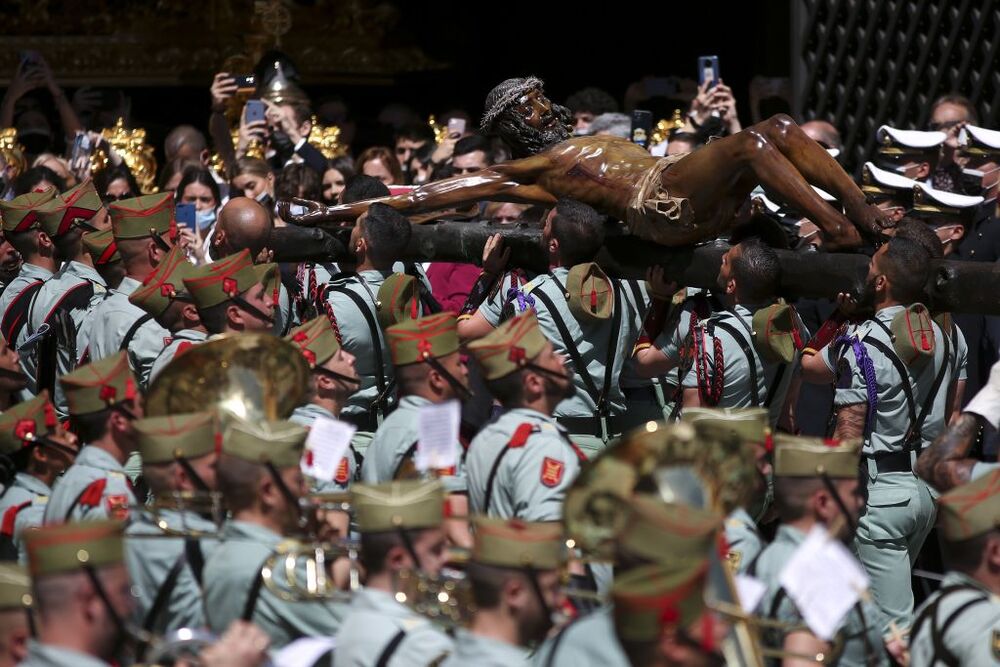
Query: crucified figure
[676,200]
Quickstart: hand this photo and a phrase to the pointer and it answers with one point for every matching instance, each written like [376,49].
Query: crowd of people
[631,458]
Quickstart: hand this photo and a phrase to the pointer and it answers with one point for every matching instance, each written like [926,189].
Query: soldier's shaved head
[243,223]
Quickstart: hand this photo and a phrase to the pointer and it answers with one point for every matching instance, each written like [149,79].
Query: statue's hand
[313,212]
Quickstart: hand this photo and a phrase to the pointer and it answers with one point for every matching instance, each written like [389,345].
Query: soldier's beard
[552,388]
[525,140]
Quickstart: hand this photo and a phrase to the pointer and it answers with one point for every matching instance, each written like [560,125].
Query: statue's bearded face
[533,123]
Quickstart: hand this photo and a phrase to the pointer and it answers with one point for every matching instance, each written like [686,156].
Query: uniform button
[972,252]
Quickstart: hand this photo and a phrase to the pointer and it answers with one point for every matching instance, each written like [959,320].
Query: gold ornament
[440,131]
[326,140]
[12,152]
[132,147]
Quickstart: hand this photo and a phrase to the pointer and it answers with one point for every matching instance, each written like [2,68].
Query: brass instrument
[183,643]
[280,571]
[207,504]
[446,598]
[674,462]
[252,376]
[132,147]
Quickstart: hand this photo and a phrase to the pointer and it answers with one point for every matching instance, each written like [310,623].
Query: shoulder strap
[253,595]
[941,651]
[163,594]
[376,334]
[407,455]
[599,397]
[937,634]
[130,334]
[557,640]
[16,315]
[904,377]
[386,655]
[195,558]
[488,498]
[75,297]
[751,356]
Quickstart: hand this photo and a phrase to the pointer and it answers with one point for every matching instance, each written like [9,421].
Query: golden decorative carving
[327,140]
[12,152]
[132,147]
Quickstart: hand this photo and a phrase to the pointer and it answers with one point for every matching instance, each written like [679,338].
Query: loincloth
[654,215]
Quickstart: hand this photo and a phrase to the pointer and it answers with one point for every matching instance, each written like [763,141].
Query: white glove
[986,403]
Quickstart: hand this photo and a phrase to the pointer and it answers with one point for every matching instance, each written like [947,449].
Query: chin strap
[334,375]
[253,310]
[463,392]
[191,472]
[286,492]
[828,483]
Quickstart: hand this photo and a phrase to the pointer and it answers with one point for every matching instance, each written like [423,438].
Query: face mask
[263,198]
[205,219]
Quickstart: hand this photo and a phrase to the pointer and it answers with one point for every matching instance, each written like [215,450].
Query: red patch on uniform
[521,435]
[182,348]
[300,336]
[343,473]
[552,471]
[516,354]
[108,393]
[446,472]
[229,286]
[307,458]
[117,506]
[168,340]
[91,496]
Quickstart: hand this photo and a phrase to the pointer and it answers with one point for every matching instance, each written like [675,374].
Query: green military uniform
[587,640]
[593,320]
[162,567]
[960,623]
[318,343]
[900,508]
[159,291]
[20,215]
[861,630]
[379,630]
[516,546]
[95,486]
[233,589]
[22,504]
[395,442]
[227,279]
[65,549]
[744,339]
[524,461]
[117,324]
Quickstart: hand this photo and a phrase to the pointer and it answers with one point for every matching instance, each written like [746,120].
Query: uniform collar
[190,334]
[47,655]
[313,410]
[886,314]
[128,285]
[789,535]
[95,457]
[32,484]
[532,414]
[382,602]
[254,532]
[471,649]
[33,271]
[412,402]
[81,270]
[953,577]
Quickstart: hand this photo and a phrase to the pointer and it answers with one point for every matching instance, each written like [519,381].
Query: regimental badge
[117,506]
[995,644]
[343,472]
[552,471]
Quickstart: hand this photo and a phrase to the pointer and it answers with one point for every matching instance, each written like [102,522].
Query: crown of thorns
[508,92]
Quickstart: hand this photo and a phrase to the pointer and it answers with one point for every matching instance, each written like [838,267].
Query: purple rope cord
[867,367]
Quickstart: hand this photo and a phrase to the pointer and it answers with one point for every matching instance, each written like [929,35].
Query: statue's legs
[782,158]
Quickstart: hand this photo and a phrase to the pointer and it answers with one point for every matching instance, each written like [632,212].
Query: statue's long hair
[524,140]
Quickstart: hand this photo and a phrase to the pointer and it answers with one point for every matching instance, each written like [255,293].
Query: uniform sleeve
[670,341]
[542,476]
[424,645]
[145,347]
[492,306]
[851,387]
[961,371]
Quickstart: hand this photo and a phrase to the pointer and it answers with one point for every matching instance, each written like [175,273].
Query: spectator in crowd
[588,103]
[335,177]
[379,162]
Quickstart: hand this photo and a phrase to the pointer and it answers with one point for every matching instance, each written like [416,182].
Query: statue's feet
[871,220]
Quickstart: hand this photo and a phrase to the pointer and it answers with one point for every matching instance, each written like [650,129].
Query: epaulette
[10,517]
[521,434]
[91,496]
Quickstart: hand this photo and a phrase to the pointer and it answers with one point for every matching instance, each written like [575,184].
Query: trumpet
[207,504]
[181,644]
[445,598]
[281,571]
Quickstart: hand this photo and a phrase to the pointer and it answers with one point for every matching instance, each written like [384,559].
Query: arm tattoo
[945,464]
[851,421]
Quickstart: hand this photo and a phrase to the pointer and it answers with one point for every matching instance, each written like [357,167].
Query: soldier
[751,426]
[892,392]
[104,403]
[588,317]
[947,213]
[960,623]
[63,300]
[521,465]
[104,255]
[400,526]
[234,294]
[746,353]
[333,380]
[165,296]
[429,370]
[981,148]
[660,617]
[144,231]
[81,594]
[261,483]
[178,457]
[358,304]
[816,484]
[15,627]
[889,190]
[514,574]
[40,450]
[651,531]
[22,229]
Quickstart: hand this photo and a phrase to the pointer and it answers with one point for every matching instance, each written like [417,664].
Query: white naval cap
[930,202]
[974,139]
[876,180]
[892,139]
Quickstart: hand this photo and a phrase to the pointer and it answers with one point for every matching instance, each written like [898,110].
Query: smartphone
[642,127]
[184,214]
[253,111]
[708,70]
[456,127]
[29,59]
[245,83]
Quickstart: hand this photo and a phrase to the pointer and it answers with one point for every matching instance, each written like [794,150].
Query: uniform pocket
[889,514]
